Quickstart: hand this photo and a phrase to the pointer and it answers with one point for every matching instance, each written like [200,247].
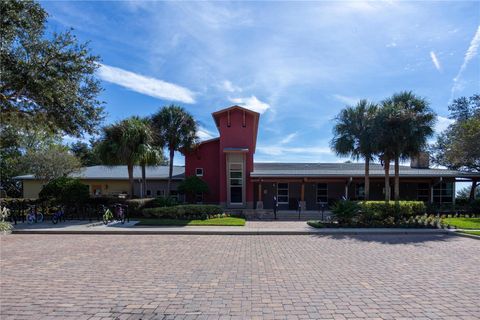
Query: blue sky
[298,63]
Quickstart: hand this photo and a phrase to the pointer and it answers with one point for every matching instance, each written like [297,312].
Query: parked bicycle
[34,215]
[58,216]
[107,215]
[119,213]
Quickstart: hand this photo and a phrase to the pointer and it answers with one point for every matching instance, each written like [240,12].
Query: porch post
[302,203]
[259,200]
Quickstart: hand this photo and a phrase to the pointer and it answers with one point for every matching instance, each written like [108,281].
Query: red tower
[225,163]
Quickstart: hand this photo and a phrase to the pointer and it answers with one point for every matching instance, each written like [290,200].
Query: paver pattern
[239,277]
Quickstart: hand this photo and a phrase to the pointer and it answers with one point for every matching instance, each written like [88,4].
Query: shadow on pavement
[392,238]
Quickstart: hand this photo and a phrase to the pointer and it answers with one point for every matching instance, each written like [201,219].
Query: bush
[190,211]
[346,211]
[65,191]
[162,202]
[381,210]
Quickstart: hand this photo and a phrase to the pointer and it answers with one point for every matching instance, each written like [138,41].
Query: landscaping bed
[222,221]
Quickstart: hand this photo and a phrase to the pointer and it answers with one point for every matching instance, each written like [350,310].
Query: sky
[297,63]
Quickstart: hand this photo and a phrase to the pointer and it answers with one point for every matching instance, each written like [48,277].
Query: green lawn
[475,233]
[463,223]
[227,221]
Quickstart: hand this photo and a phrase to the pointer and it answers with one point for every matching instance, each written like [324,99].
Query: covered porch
[316,194]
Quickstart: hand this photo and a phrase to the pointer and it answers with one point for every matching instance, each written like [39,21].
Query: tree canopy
[45,80]
[458,147]
[175,129]
[125,143]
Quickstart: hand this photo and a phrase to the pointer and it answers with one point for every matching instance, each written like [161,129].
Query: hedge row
[400,209]
[189,211]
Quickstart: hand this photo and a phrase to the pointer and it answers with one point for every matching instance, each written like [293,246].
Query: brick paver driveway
[244,277]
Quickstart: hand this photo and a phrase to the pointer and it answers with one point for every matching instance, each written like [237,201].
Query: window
[360,191]
[149,192]
[443,192]
[160,193]
[199,172]
[236,182]
[423,192]
[322,193]
[282,193]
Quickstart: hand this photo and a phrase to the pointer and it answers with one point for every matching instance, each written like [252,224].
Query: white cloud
[251,103]
[442,124]
[228,86]
[435,61]
[472,51]
[204,134]
[289,138]
[345,99]
[146,85]
[392,44]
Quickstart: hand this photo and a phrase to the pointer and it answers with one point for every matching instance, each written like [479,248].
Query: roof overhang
[235,150]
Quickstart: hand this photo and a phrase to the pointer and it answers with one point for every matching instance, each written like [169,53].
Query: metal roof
[346,169]
[121,173]
[264,170]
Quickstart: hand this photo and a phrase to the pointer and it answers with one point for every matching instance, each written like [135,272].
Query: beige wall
[31,188]
[108,186]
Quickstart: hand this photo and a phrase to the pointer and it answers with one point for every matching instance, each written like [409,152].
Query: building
[113,181]
[227,165]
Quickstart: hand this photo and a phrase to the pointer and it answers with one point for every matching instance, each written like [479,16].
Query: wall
[205,157]
[31,188]
[237,136]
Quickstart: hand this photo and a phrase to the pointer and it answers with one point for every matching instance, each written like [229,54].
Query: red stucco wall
[205,157]
[211,157]
[236,136]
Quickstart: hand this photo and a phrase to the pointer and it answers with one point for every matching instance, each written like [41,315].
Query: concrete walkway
[251,228]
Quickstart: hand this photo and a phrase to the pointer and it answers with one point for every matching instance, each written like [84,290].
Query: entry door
[236,184]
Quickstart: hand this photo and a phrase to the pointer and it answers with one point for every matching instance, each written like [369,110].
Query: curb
[465,235]
[234,232]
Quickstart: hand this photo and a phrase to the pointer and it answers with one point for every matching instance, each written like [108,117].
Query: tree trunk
[144,181]
[387,178]
[471,198]
[170,172]
[367,179]
[397,179]
[130,179]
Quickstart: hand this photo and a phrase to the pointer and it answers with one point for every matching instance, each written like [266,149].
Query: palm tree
[175,129]
[413,126]
[386,132]
[354,136]
[149,155]
[125,142]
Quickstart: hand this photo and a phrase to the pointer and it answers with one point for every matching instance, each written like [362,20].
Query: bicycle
[107,215]
[33,215]
[120,212]
[58,216]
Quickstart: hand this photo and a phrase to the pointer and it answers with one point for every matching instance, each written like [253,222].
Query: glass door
[236,183]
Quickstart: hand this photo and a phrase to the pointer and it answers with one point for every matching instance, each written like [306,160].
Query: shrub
[4,225]
[189,211]
[162,202]
[346,211]
[381,210]
[65,191]
[193,185]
